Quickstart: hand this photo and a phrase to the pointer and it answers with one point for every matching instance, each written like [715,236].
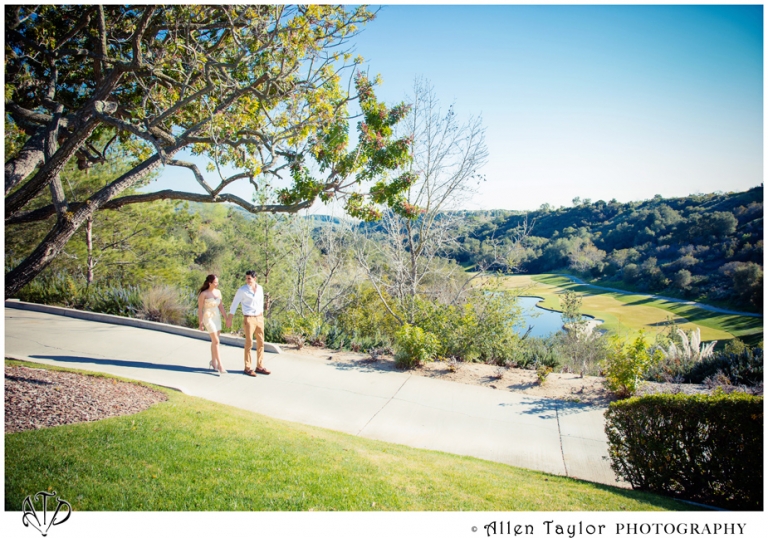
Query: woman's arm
[200,301]
[221,305]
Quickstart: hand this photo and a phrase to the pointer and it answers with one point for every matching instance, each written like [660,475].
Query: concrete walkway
[562,438]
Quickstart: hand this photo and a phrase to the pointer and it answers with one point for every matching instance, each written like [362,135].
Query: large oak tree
[264,90]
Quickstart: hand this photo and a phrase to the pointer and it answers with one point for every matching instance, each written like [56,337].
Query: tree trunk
[29,158]
[67,225]
[45,252]
[50,170]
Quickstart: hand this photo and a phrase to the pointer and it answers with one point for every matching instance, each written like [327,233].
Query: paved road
[670,299]
[561,438]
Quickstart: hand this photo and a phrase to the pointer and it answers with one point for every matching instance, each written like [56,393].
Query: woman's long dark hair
[207,284]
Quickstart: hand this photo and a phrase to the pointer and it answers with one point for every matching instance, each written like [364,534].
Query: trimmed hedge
[707,449]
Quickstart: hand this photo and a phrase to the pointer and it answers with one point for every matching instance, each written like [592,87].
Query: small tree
[570,303]
[683,279]
[443,170]
[627,365]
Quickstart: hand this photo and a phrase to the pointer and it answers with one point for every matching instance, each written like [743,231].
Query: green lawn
[626,314]
[191,454]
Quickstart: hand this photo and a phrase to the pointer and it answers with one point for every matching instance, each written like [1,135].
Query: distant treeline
[703,247]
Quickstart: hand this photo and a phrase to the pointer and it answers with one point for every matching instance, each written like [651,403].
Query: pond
[545,322]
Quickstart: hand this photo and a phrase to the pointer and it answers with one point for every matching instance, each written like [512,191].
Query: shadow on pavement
[362,365]
[123,363]
[548,408]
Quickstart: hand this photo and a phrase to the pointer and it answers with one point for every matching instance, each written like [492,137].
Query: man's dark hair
[251,273]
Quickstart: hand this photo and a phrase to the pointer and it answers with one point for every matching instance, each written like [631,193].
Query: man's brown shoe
[250,373]
[263,371]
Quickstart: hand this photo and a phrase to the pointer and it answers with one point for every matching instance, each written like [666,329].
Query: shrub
[707,449]
[480,330]
[740,368]
[541,374]
[581,350]
[273,330]
[364,316]
[53,289]
[533,352]
[414,346]
[336,338]
[493,336]
[627,364]
[117,301]
[163,304]
[294,340]
[366,343]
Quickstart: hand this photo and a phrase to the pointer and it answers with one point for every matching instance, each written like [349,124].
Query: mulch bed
[37,398]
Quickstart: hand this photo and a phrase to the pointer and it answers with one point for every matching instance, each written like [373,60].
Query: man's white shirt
[252,301]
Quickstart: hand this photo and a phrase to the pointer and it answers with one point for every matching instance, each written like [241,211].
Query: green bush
[274,330]
[53,289]
[336,338]
[414,346]
[707,449]
[480,330]
[533,352]
[627,365]
[117,301]
[364,316]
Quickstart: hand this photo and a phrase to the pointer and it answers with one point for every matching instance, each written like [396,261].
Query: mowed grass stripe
[191,454]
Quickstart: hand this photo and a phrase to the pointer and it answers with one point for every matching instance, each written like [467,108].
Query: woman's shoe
[211,365]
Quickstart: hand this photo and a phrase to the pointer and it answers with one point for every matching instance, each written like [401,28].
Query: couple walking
[251,298]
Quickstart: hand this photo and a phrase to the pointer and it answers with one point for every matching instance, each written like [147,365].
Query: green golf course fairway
[626,314]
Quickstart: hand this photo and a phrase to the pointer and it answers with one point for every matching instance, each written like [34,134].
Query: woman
[208,308]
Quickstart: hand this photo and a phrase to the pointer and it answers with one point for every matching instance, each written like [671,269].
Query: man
[251,298]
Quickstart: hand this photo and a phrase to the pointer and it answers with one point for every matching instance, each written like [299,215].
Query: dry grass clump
[164,304]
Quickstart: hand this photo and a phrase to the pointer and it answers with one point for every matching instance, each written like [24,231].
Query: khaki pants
[254,326]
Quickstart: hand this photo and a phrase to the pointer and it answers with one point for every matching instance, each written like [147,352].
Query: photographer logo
[31,516]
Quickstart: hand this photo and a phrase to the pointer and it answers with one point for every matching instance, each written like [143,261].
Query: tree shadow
[364,365]
[678,320]
[27,380]
[547,408]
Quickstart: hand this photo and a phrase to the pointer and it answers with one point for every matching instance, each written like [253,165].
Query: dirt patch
[589,390]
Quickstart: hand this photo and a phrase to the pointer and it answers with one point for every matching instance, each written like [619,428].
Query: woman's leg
[215,352]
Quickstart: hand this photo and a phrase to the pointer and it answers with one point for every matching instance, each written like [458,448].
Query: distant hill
[706,247]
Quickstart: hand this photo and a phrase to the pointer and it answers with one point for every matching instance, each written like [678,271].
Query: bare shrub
[295,340]
[498,373]
[318,340]
[454,364]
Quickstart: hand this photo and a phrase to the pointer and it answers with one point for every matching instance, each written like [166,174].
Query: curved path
[558,437]
[663,298]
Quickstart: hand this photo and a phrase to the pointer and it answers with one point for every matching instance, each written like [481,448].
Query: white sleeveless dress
[211,315]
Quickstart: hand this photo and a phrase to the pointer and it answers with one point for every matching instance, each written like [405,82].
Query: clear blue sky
[599,102]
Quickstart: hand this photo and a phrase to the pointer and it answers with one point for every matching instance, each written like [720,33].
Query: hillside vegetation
[706,247]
